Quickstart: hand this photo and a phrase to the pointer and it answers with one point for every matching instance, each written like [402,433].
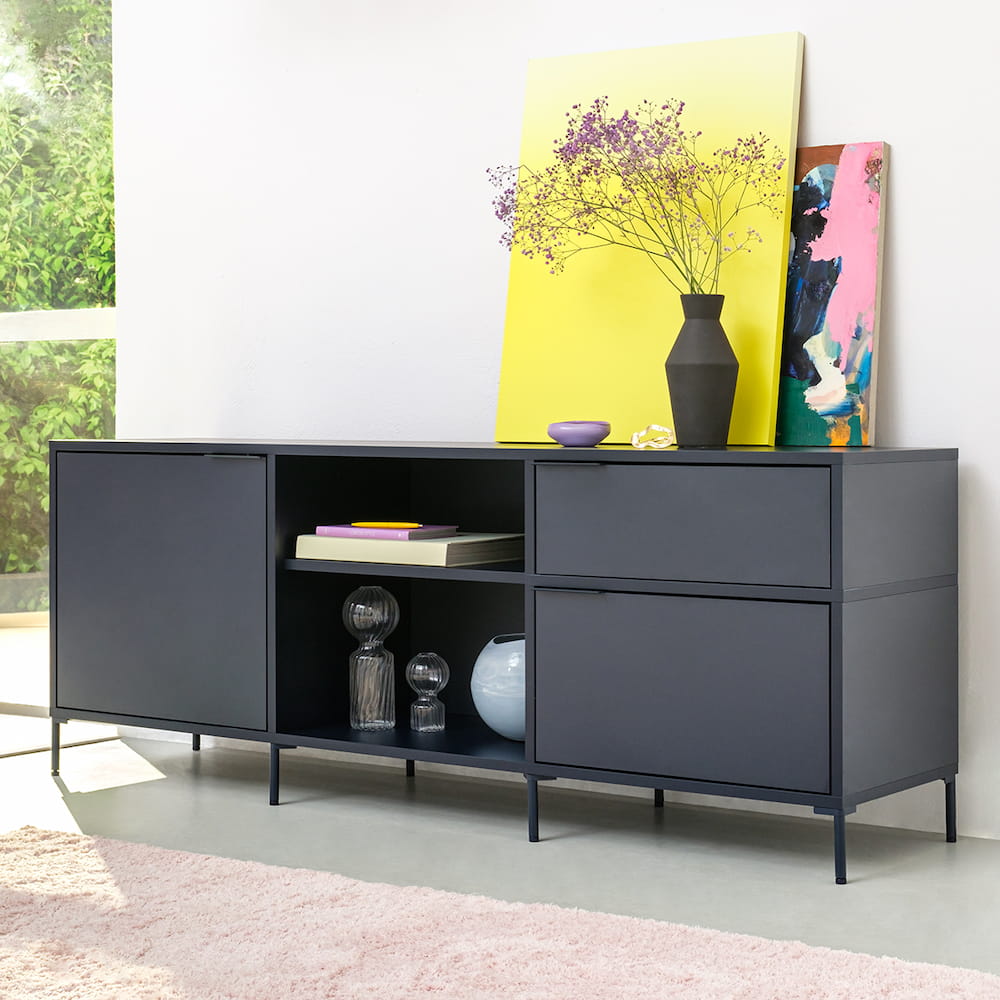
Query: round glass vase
[498,685]
[427,674]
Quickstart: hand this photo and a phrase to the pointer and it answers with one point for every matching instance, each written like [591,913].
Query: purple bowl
[579,433]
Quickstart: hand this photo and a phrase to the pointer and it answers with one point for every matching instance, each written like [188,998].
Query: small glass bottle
[370,614]
[427,674]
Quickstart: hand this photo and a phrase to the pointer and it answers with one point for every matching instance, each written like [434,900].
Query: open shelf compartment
[479,496]
[454,618]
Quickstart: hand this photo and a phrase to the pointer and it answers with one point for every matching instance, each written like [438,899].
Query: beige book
[467,549]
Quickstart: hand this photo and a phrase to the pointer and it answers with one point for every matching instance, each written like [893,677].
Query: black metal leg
[658,798]
[532,808]
[840,847]
[55,747]
[950,811]
[275,748]
[411,769]
[196,741]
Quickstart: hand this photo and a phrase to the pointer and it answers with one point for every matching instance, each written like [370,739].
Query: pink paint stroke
[851,233]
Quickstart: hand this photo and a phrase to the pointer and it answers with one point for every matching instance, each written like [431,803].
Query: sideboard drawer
[702,688]
[697,523]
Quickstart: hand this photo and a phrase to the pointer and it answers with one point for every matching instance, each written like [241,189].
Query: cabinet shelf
[464,737]
[506,572]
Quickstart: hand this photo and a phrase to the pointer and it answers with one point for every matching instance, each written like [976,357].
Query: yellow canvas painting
[589,341]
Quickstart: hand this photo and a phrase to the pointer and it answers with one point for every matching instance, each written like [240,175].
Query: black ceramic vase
[701,375]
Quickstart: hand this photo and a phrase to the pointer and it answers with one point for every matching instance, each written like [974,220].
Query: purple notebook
[397,534]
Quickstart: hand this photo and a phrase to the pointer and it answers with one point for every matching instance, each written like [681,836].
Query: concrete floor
[910,895]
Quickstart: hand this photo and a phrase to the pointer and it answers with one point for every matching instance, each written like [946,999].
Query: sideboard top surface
[758,455]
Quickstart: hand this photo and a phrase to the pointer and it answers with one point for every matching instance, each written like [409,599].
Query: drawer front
[692,523]
[708,689]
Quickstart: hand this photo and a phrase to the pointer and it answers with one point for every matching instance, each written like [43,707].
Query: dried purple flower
[636,180]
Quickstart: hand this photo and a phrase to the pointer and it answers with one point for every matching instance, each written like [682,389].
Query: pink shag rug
[83,918]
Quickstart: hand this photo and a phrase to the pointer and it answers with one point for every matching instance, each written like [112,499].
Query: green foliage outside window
[57,247]
[57,251]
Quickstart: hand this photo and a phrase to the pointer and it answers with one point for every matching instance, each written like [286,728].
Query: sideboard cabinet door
[160,587]
[709,689]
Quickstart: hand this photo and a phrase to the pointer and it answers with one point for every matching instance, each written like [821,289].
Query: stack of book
[408,544]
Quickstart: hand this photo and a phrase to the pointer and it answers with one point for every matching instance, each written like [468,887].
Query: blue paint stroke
[810,283]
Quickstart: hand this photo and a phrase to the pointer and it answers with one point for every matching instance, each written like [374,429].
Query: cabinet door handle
[254,458]
[573,464]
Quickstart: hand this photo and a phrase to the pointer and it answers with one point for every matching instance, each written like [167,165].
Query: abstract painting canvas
[590,343]
[826,394]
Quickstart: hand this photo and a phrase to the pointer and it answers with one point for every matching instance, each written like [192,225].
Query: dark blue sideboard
[765,623]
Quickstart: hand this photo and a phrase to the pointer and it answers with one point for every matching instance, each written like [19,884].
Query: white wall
[306,247]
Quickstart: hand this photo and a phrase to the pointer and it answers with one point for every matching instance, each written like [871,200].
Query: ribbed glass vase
[427,674]
[370,614]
